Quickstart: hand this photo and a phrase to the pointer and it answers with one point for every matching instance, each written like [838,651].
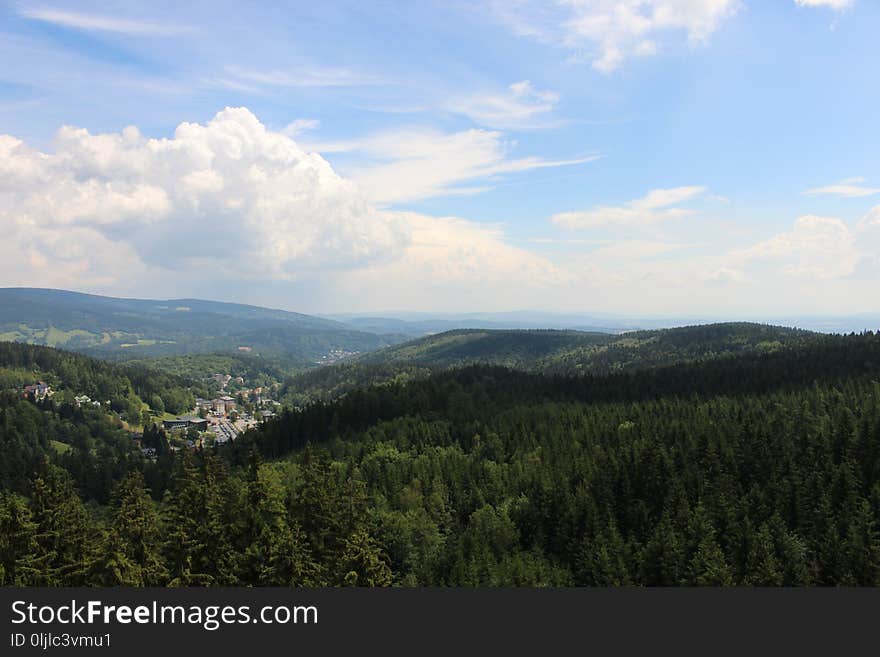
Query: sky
[644,157]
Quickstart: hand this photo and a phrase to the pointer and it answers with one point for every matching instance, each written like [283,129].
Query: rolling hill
[134,328]
[575,352]
[544,351]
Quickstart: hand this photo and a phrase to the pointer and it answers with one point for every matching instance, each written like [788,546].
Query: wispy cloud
[416,163]
[103,23]
[849,188]
[245,79]
[299,126]
[830,4]
[653,208]
[520,106]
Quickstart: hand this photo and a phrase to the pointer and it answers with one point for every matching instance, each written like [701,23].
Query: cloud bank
[229,191]
[227,201]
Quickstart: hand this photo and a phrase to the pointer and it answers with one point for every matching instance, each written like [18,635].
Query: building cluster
[222,416]
[223,380]
[223,429]
[38,391]
[220,407]
[185,422]
[334,356]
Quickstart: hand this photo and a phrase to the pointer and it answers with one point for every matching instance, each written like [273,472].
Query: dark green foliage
[580,352]
[761,469]
[130,551]
[542,351]
[63,534]
[122,386]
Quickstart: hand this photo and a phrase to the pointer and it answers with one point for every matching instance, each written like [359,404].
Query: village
[210,422]
[221,419]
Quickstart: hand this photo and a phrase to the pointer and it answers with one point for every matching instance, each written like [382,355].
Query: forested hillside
[124,329]
[125,387]
[575,352]
[543,351]
[756,469]
[85,423]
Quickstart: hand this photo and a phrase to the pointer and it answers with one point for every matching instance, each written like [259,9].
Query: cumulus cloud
[848,188]
[871,220]
[452,263]
[519,107]
[413,163]
[229,191]
[230,206]
[608,32]
[651,209]
[816,247]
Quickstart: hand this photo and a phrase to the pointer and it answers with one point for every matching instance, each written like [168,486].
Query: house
[81,400]
[38,391]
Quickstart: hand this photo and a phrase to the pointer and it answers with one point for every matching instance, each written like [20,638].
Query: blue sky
[639,156]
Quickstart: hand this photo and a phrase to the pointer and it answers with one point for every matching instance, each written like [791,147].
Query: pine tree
[707,566]
[363,562]
[64,534]
[603,559]
[131,549]
[19,563]
[274,550]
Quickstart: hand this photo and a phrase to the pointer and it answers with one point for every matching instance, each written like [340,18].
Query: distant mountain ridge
[547,352]
[573,352]
[418,324]
[127,328]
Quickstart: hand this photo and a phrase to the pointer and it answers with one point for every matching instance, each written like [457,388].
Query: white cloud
[816,247]
[849,188]
[414,163]
[101,23]
[871,220]
[518,107]
[454,263]
[299,126]
[830,4]
[230,191]
[232,208]
[651,209]
[629,250]
[726,275]
[608,32]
